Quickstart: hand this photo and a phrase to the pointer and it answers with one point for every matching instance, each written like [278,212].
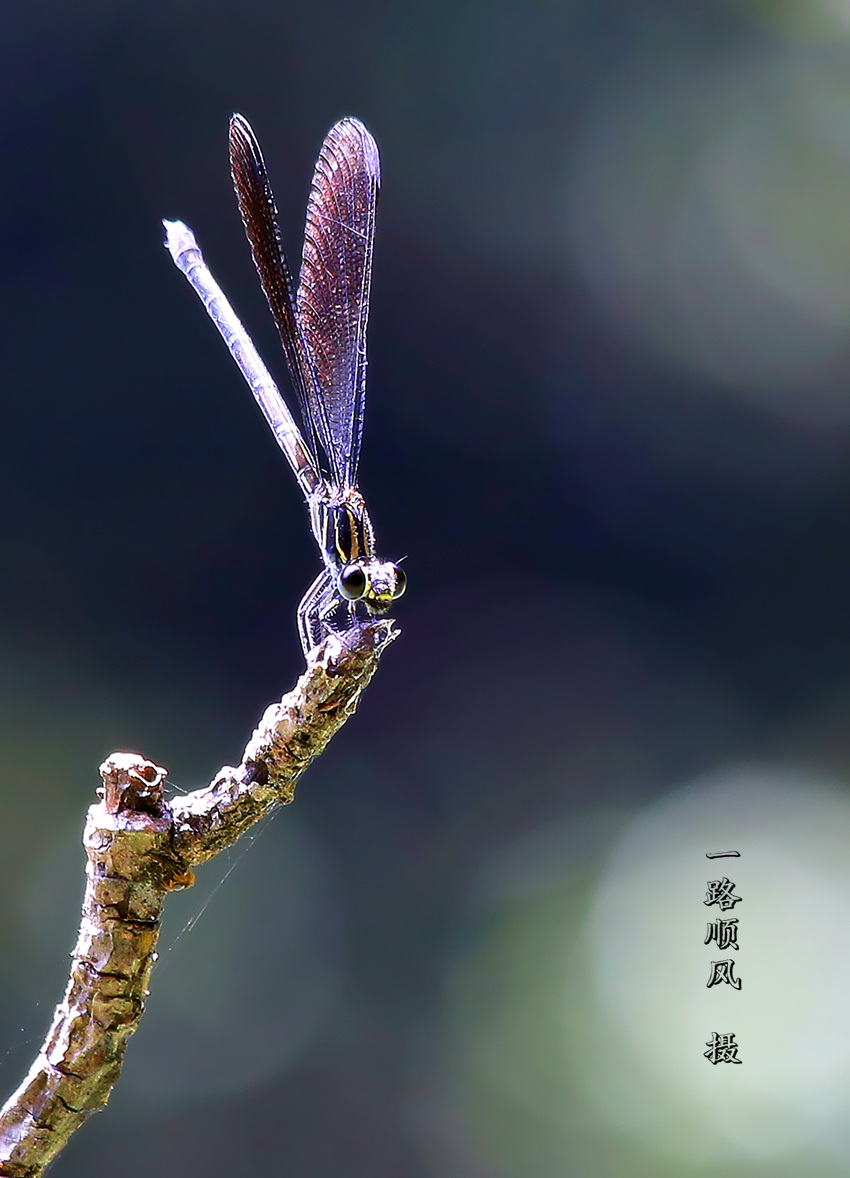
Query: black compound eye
[400,582]
[352,582]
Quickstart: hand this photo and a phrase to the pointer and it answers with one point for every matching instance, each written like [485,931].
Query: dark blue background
[622,572]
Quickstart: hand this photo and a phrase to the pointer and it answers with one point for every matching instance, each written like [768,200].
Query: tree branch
[139,848]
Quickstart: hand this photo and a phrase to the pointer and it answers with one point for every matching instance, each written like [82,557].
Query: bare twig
[138,849]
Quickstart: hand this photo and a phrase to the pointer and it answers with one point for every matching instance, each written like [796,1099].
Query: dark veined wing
[259,216]
[332,304]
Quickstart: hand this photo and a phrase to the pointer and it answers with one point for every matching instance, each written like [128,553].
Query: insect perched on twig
[323,332]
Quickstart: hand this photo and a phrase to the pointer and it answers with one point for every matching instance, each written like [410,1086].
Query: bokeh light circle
[708,215]
[578,1006]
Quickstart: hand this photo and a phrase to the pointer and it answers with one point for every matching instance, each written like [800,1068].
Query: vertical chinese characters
[724,933]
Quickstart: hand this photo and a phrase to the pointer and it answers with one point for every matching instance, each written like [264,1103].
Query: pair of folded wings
[323,329]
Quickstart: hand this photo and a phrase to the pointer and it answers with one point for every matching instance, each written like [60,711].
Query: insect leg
[317,602]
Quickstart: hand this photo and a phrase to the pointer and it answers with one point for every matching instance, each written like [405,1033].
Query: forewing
[259,216]
[332,304]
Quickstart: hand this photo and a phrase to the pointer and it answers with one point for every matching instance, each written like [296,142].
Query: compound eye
[352,582]
[400,582]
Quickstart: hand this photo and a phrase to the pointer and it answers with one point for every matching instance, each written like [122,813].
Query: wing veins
[259,218]
[332,304]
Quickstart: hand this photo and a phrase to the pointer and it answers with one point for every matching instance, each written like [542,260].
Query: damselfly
[323,331]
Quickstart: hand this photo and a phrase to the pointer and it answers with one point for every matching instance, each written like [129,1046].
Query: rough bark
[139,848]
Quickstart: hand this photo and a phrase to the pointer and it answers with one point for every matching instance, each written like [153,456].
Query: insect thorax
[343,528]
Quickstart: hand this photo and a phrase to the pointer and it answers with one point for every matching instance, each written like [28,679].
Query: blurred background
[608,423]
